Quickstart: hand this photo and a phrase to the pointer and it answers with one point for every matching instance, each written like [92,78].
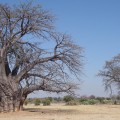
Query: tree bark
[9,95]
[21,103]
[8,104]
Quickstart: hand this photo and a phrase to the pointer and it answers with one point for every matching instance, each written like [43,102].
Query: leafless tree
[111,73]
[33,56]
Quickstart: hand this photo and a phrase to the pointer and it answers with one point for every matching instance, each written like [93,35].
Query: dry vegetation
[62,112]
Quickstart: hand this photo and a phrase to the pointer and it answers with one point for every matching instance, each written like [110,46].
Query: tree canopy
[111,73]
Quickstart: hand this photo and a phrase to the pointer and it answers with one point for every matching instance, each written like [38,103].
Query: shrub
[101,100]
[26,102]
[30,100]
[108,98]
[68,98]
[82,100]
[46,102]
[72,102]
[92,101]
[118,97]
[57,99]
[50,98]
[86,101]
[37,101]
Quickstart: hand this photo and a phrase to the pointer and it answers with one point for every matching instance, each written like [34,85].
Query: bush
[26,102]
[92,101]
[86,101]
[108,98]
[82,100]
[37,101]
[68,98]
[30,100]
[101,100]
[57,99]
[50,98]
[72,102]
[46,102]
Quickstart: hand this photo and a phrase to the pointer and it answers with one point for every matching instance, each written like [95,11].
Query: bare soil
[62,112]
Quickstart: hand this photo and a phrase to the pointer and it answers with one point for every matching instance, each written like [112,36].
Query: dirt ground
[62,112]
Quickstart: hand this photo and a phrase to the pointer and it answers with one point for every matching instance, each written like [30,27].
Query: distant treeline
[70,100]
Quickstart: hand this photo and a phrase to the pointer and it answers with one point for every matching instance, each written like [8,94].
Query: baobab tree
[111,73]
[33,56]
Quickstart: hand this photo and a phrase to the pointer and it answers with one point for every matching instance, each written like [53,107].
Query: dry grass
[62,112]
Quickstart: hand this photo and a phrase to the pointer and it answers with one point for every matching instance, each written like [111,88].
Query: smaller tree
[50,98]
[111,74]
[25,102]
[57,99]
[100,99]
[37,101]
[46,102]
[68,98]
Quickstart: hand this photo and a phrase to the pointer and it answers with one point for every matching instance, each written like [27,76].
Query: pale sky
[94,25]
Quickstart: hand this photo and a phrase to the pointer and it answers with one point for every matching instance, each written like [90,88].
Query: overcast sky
[94,25]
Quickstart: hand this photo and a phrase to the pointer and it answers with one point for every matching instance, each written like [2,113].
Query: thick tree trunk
[10,95]
[8,104]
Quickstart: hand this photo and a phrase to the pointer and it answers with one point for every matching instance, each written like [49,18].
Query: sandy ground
[62,112]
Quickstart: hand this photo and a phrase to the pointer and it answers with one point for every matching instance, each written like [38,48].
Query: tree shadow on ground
[50,111]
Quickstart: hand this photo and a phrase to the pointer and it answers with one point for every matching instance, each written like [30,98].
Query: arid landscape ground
[62,112]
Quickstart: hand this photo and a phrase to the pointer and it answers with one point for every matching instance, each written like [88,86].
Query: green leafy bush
[26,102]
[101,100]
[72,102]
[93,101]
[46,102]
[68,98]
[87,101]
[82,100]
[50,98]
[37,101]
